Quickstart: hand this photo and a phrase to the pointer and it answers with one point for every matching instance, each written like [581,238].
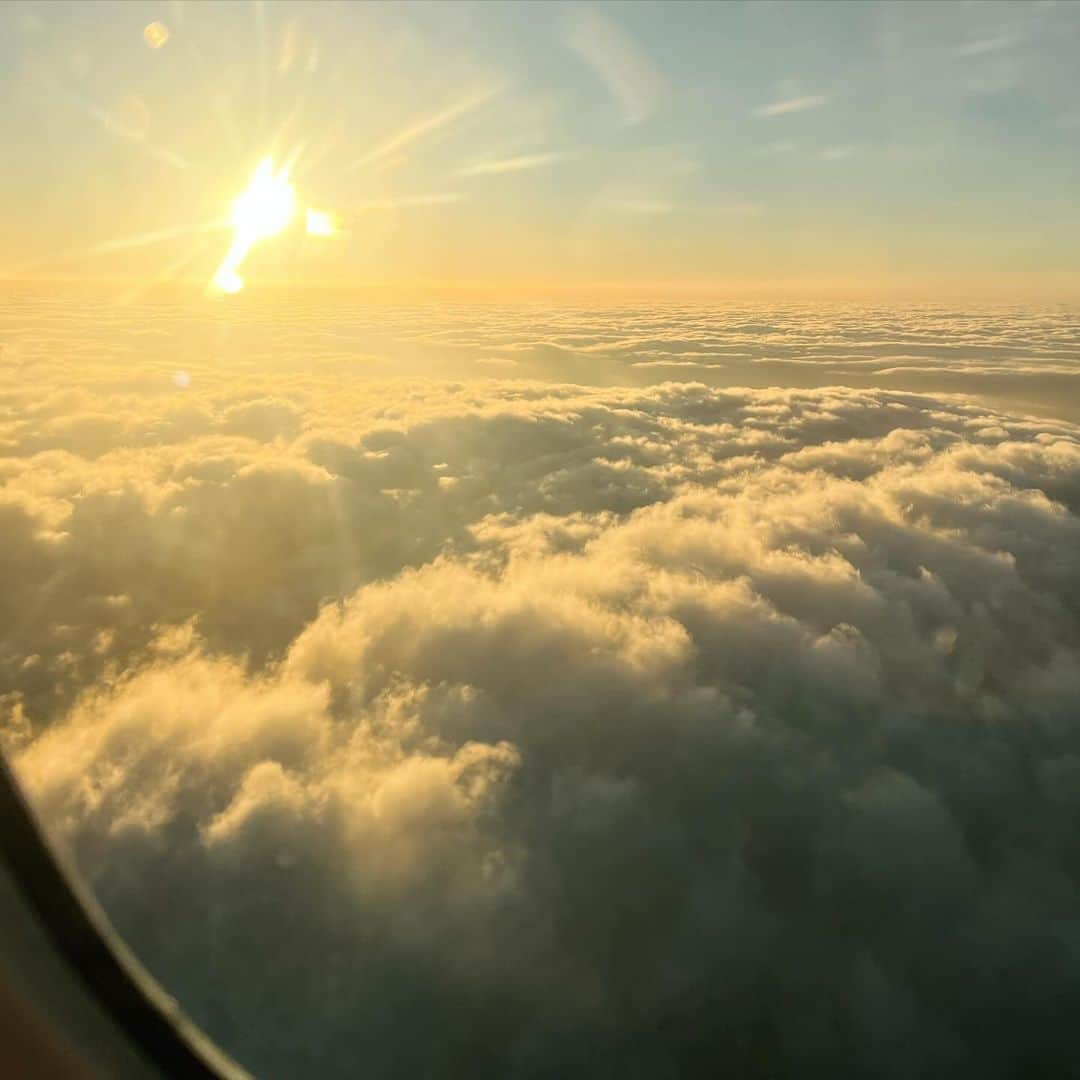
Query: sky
[677,149]
[661,661]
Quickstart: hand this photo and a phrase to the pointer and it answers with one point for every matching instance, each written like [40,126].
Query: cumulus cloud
[512,728]
[1017,358]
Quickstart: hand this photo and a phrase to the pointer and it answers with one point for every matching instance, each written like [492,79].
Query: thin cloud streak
[514,164]
[799,104]
[983,46]
[414,200]
[620,63]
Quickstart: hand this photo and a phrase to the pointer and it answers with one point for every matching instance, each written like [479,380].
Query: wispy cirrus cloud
[619,61]
[518,163]
[986,45]
[792,105]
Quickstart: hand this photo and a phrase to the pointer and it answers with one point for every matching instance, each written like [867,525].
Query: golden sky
[744,150]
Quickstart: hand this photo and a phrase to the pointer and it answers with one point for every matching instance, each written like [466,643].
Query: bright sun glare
[267,206]
[264,209]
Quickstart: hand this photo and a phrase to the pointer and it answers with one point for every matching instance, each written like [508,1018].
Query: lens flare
[155,35]
[320,223]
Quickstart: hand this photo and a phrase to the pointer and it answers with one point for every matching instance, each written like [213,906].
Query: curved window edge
[142,1013]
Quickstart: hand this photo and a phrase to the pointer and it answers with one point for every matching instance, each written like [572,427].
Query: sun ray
[123,243]
[425,126]
[110,123]
[170,272]
[259,13]
[220,105]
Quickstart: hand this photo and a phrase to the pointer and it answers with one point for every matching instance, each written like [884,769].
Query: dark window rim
[110,973]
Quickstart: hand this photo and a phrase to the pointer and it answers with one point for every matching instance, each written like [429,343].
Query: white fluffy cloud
[522,729]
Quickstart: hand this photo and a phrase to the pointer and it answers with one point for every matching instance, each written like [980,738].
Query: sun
[268,205]
[265,208]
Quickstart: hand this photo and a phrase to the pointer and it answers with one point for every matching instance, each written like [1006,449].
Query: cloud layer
[508,728]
